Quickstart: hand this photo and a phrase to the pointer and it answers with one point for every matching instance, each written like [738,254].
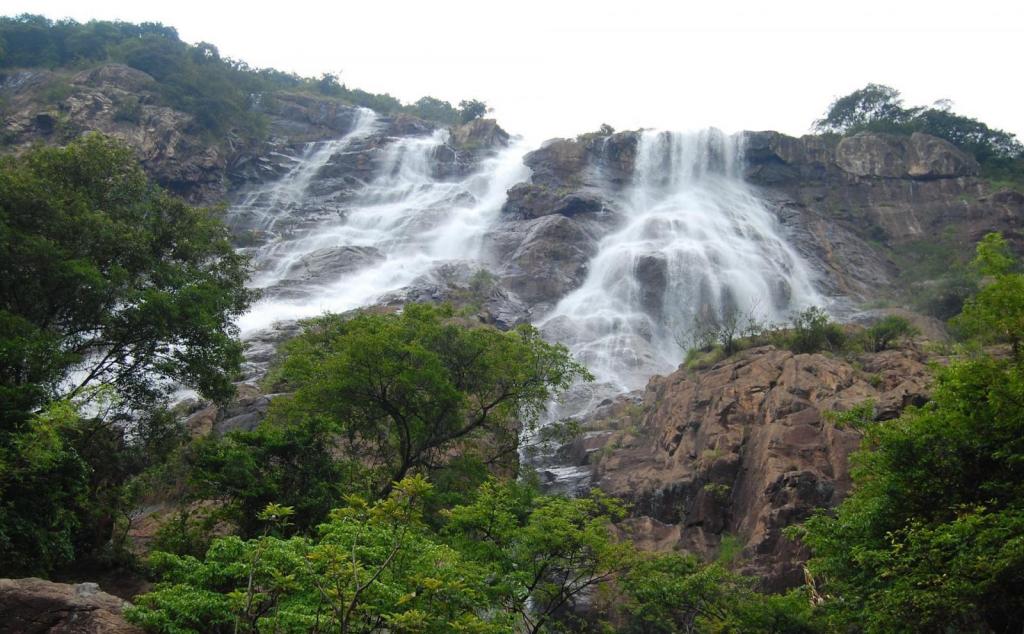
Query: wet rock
[331,264]
[549,260]
[528,201]
[35,606]
[245,412]
[651,273]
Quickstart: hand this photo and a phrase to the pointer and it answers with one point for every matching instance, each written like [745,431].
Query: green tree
[547,552]
[873,104]
[932,537]
[996,313]
[376,397]
[372,567]
[109,281]
[111,290]
[471,109]
[879,108]
[882,334]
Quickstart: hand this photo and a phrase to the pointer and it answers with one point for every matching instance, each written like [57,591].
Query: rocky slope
[725,458]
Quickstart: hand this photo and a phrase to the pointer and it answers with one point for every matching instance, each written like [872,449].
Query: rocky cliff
[717,462]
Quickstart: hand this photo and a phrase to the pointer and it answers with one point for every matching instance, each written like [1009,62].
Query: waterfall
[695,243]
[391,229]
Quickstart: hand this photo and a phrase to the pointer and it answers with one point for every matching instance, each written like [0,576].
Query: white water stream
[693,243]
[396,227]
[696,243]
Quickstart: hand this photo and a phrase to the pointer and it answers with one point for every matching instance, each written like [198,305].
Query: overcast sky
[559,67]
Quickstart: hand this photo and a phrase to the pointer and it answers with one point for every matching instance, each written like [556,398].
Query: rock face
[854,205]
[743,449]
[35,606]
[121,102]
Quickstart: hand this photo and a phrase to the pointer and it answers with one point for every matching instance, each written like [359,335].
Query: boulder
[36,606]
[558,163]
[931,157]
[919,156]
[872,154]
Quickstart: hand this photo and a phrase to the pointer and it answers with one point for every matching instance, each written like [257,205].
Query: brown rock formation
[743,449]
[120,102]
[35,606]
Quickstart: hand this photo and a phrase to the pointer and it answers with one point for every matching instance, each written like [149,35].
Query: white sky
[559,67]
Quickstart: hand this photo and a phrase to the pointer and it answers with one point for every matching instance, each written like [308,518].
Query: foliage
[932,538]
[675,593]
[109,281]
[378,396]
[218,91]
[813,330]
[888,330]
[726,331]
[111,290]
[42,480]
[371,567]
[471,109]
[872,104]
[510,560]
[996,313]
[879,108]
[711,340]
[545,551]
[436,110]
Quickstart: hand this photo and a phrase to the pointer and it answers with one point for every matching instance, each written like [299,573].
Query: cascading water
[696,244]
[389,231]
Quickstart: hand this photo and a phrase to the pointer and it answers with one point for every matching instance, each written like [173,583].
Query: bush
[887,331]
[813,331]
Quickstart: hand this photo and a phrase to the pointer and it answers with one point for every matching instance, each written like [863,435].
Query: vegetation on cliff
[218,91]
[878,108]
[932,538]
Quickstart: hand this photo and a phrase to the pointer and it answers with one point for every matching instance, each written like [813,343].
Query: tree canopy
[932,537]
[112,291]
[110,281]
[375,397]
[193,78]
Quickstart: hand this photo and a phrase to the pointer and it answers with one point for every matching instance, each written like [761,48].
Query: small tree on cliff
[472,109]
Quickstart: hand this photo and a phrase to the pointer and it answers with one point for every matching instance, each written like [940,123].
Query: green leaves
[930,539]
[402,390]
[112,278]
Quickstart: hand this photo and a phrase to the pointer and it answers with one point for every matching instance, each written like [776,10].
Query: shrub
[814,331]
[887,331]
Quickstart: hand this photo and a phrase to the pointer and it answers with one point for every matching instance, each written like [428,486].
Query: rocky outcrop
[853,205]
[121,102]
[919,156]
[35,606]
[743,449]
